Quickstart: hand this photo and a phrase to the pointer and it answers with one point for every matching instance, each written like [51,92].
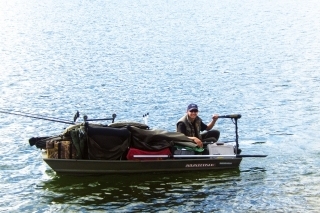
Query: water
[260,59]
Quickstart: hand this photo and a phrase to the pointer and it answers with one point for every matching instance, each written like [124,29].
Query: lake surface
[259,59]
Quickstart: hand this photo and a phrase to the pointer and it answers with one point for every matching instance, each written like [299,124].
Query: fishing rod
[36,116]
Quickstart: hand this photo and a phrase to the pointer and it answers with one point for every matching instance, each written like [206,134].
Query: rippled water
[260,59]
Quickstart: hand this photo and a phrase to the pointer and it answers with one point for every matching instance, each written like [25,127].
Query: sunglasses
[194,110]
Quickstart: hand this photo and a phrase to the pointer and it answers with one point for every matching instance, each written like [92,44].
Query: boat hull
[76,166]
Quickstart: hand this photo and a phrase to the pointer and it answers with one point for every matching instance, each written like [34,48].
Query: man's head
[192,107]
[192,111]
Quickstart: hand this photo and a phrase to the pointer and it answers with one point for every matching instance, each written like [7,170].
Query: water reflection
[142,189]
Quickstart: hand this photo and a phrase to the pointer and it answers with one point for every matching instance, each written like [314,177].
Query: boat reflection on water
[140,189]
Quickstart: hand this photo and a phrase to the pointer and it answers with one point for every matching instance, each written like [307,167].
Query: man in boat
[191,125]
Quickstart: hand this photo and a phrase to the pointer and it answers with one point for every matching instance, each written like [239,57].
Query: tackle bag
[60,150]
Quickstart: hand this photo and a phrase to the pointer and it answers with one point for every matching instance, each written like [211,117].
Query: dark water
[260,59]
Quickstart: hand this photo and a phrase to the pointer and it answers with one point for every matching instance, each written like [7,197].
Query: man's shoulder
[181,123]
[182,119]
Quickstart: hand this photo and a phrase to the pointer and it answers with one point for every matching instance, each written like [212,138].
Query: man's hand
[198,142]
[215,117]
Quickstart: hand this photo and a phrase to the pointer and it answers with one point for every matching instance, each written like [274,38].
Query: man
[191,125]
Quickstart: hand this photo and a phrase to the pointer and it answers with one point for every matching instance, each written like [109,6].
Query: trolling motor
[234,118]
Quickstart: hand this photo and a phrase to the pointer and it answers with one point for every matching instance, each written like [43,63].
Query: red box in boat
[137,154]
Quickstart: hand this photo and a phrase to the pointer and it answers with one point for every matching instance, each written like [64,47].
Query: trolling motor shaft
[234,118]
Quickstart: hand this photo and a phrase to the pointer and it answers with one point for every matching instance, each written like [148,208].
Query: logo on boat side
[201,165]
[225,163]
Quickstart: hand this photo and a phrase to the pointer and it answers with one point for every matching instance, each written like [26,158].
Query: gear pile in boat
[117,141]
[129,147]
